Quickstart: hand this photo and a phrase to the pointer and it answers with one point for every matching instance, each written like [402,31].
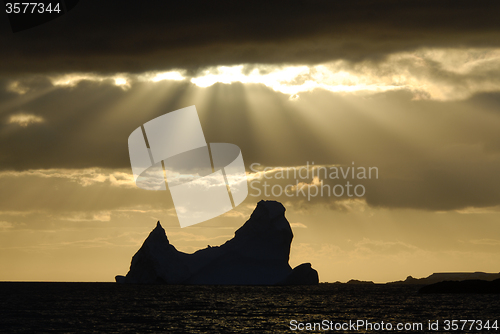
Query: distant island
[467,286]
[355,281]
[438,278]
[451,276]
[258,254]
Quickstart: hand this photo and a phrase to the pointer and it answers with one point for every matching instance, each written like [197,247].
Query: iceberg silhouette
[258,254]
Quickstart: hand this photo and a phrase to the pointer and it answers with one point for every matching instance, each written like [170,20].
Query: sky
[409,90]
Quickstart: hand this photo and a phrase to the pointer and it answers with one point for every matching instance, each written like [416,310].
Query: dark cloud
[135,36]
[430,155]
[25,192]
[88,125]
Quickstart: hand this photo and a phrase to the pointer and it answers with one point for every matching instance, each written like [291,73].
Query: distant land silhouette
[451,276]
[258,254]
[355,281]
[467,286]
[437,278]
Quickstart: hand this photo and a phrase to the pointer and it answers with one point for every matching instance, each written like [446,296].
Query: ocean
[27,307]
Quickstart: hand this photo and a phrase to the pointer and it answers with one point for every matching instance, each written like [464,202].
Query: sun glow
[23,119]
[432,74]
[292,80]
[171,75]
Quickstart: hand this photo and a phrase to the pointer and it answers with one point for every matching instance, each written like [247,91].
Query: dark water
[115,308]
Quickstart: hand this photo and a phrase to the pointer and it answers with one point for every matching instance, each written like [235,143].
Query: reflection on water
[115,308]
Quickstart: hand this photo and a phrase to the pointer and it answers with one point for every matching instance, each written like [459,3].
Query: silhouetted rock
[441,277]
[157,261]
[120,279]
[355,281]
[303,274]
[467,286]
[257,255]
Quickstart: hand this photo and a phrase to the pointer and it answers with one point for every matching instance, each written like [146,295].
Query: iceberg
[258,254]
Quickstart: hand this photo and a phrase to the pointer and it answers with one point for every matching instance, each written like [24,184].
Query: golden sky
[419,103]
